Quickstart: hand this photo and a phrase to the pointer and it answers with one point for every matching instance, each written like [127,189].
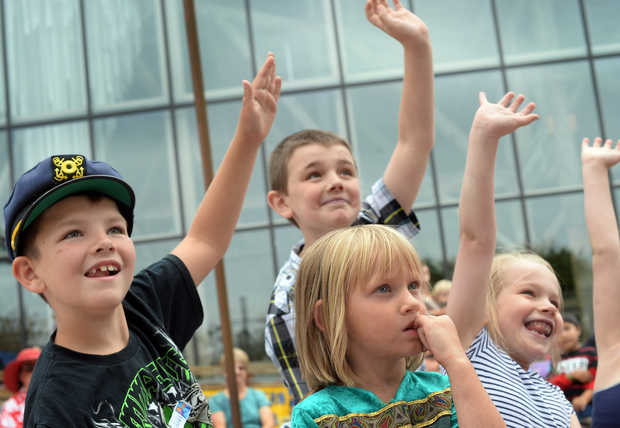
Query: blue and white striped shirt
[523,398]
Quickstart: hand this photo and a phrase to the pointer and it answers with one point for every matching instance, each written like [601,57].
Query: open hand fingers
[482,98]
[597,142]
[528,109]
[266,72]
[514,107]
[506,99]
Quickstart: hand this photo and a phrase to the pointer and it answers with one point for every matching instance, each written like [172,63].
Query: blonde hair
[498,282]
[239,355]
[331,267]
[441,286]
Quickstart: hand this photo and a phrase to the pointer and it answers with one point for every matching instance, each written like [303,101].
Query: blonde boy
[115,359]
[315,185]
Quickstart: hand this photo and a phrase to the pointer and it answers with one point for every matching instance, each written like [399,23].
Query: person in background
[254,406]
[17,376]
[576,370]
[440,293]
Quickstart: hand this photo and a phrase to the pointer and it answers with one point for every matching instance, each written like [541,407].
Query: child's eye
[347,172]
[555,303]
[384,288]
[313,174]
[72,234]
[116,230]
[414,286]
[527,292]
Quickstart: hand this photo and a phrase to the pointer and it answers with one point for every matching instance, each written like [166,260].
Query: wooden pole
[207,169]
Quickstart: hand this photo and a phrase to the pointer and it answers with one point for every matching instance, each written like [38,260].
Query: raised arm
[596,159]
[416,126]
[477,211]
[214,223]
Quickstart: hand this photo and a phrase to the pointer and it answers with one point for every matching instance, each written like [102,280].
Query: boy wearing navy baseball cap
[115,356]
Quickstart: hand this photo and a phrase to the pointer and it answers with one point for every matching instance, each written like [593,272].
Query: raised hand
[260,103]
[399,22]
[497,120]
[605,155]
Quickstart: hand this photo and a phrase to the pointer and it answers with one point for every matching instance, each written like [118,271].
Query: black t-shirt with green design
[138,386]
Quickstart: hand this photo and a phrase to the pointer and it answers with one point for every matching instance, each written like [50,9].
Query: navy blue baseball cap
[55,178]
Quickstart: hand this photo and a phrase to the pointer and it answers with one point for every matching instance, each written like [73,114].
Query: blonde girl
[362,326]
[508,319]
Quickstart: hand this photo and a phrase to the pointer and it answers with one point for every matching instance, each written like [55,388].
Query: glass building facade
[111,79]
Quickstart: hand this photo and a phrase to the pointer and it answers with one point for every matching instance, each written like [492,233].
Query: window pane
[249,279]
[378,56]
[609,92]
[307,54]
[125,53]
[374,122]
[39,319]
[448,33]
[559,234]
[602,18]
[140,147]
[46,66]
[565,101]
[457,102]
[31,145]
[10,328]
[150,252]
[286,238]
[224,47]
[5,181]
[222,122]
[533,31]
[510,227]
[428,242]
[2,88]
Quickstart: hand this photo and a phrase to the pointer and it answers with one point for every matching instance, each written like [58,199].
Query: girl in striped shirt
[511,319]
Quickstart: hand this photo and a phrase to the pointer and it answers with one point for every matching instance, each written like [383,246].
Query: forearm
[471,401]
[416,123]
[603,231]
[477,239]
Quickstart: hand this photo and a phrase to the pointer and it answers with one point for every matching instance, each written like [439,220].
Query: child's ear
[318,315]
[277,202]
[23,271]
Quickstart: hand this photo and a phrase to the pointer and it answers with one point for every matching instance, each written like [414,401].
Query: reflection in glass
[603,25]
[125,56]
[140,147]
[535,31]
[457,101]
[367,52]
[224,48]
[549,149]
[222,122]
[374,122]
[45,61]
[31,145]
[307,54]
[462,33]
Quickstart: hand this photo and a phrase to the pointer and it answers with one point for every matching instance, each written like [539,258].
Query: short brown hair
[280,156]
[330,269]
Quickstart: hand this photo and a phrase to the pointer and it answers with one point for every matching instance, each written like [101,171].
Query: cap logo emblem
[68,169]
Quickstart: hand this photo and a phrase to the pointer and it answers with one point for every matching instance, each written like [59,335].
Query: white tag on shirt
[179,414]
